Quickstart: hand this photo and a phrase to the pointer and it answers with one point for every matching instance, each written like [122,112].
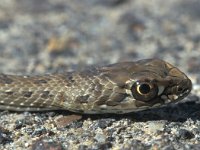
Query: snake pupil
[144,88]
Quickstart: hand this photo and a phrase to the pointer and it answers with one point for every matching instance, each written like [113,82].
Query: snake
[118,88]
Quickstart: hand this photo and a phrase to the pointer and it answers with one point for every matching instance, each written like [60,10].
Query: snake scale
[117,88]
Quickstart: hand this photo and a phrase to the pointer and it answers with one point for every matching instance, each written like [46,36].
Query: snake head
[155,82]
[145,84]
[178,85]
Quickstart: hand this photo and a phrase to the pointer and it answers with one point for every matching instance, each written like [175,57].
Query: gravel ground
[46,36]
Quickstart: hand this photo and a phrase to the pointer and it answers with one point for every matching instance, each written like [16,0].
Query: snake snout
[180,91]
[185,87]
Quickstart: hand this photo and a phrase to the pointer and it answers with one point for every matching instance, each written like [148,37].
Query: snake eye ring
[144,91]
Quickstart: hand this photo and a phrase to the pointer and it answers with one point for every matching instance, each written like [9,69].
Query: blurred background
[44,36]
[39,36]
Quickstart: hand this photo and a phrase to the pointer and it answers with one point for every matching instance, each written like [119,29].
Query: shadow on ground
[180,112]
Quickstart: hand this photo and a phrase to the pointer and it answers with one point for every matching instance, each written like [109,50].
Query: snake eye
[143,88]
[144,91]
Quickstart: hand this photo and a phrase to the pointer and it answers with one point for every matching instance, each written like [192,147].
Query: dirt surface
[44,36]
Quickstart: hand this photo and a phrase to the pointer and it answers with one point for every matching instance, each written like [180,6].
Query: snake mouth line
[174,97]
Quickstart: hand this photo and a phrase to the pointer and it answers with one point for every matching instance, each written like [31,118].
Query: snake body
[117,88]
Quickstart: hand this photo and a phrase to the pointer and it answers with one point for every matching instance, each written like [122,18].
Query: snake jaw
[179,90]
[176,97]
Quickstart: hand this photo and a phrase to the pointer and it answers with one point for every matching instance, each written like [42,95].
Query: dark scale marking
[82,99]
[41,81]
[91,88]
[69,84]
[112,103]
[27,94]
[119,97]
[45,94]
[102,100]
[116,99]
[9,93]
[70,77]
[5,79]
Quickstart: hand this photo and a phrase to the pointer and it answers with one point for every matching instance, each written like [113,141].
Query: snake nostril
[179,89]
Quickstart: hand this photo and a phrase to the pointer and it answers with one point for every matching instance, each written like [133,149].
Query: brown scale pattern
[96,90]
